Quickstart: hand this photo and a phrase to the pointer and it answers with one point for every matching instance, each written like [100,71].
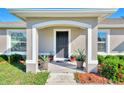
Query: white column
[32,48]
[91,64]
[89,46]
[34,44]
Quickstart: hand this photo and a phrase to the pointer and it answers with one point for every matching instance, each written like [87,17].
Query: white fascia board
[59,12]
[85,10]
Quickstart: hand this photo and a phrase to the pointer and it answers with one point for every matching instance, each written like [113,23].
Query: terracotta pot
[51,58]
[79,64]
[22,62]
[73,59]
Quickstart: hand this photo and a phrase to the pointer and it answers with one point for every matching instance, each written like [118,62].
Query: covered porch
[34,38]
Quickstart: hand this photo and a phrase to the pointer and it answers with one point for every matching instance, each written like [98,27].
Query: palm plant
[44,58]
[80,55]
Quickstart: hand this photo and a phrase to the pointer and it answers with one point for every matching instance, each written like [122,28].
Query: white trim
[94,62]
[110,53]
[61,22]
[107,41]
[9,52]
[69,42]
[23,13]
[89,45]
[34,44]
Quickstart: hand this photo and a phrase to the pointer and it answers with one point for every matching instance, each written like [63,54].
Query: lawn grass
[13,75]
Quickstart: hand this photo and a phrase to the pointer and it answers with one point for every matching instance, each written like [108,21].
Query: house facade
[60,32]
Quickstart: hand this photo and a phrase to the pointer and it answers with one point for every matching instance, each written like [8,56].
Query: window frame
[9,31]
[107,42]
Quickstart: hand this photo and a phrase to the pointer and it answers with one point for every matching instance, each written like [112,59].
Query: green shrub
[100,58]
[16,58]
[111,57]
[112,67]
[3,58]
[121,56]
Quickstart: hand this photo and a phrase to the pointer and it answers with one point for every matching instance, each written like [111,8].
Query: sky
[5,16]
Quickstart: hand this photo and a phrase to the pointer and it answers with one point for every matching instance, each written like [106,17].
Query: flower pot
[43,65]
[73,59]
[79,64]
[22,62]
[51,58]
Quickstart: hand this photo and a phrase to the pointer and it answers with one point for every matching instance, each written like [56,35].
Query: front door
[62,44]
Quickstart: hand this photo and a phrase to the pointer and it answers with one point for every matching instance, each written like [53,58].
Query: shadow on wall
[119,48]
[14,59]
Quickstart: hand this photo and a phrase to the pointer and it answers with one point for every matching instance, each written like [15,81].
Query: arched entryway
[42,25]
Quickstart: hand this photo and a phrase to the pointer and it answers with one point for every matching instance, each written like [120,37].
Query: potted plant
[80,58]
[73,57]
[51,57]
[22,61]
[43,62]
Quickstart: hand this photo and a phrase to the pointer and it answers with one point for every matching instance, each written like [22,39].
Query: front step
[61,79]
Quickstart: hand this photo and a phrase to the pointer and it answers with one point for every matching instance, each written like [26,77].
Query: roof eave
[96,13]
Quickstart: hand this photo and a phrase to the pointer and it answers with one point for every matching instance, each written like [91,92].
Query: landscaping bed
[90,78]
[110,71]
[112,67]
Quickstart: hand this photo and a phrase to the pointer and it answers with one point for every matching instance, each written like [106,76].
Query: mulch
[90,78]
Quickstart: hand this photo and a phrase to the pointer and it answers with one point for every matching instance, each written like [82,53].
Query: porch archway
[57,23]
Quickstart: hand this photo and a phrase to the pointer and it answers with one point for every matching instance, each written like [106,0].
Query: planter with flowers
[73,57]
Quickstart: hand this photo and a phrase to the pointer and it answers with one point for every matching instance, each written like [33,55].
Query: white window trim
[9,52]
[69,42]
[107,41]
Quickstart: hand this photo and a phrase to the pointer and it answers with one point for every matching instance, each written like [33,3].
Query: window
[102,38]
[17,41]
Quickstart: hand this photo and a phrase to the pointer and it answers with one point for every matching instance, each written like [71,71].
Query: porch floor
[63,67]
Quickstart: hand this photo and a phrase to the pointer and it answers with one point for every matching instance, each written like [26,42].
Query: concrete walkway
[63,67]
[61,79]
[62,73]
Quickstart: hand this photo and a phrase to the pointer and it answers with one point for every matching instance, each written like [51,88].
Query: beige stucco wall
[117,40]
[3,41]
[88,20]
[46,38]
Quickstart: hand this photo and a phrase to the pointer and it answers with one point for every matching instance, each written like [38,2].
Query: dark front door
[62,44]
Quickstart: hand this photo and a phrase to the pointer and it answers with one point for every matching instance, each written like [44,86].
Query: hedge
[3,58]
[14,58]
[112,67]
